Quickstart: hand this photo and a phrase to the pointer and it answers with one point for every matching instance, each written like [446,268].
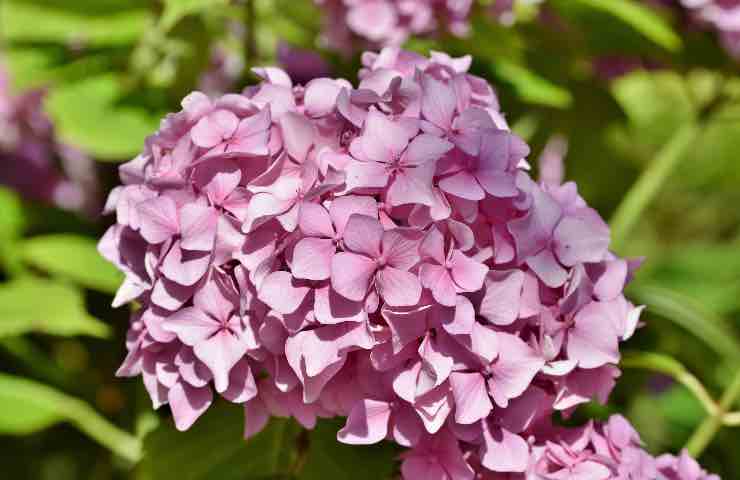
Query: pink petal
[366,424]
[471,397]
[438,280]
[547,268]
[320,96]
[438,102]
[188,403]
[400,249]
[342,208]
[252,135]
[159,219]
[242,386]
[500,304]
[220,353]
[503,451]
[463,185]
[365,175]
[593,341]
[514,369]
[214,128]
[312,258]
[581,239]
[191,325]
[298,135]
[363,234]
[279,292]
[198,227]
[398,287]
[467,273]
[351,275]
[185,267]
[425,148]
[314,221]
[412,185]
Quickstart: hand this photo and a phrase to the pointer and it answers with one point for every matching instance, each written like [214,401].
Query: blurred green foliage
[114,67]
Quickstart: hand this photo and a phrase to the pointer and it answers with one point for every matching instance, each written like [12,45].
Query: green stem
[251,47]
[669,366]
[649,183]
[97,427]
[706,431]
[686,313]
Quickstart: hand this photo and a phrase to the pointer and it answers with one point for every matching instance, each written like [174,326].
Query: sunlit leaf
[640,17]
[530,86]
[38,305]
[176,10]
[73,257]
[101,124]
[27,406]
[22,21]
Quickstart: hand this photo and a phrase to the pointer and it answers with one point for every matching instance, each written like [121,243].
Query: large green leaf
[530,86]
[215,448]
[27,406]
[73,257]
[38,305]
[22,21]
[90,114]
[656,104]
[176,10]
[640,17]
[327,458]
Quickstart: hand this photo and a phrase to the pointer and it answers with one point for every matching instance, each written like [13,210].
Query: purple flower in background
[34,162]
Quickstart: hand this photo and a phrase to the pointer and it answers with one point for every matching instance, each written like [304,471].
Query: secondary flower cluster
[379,253]
[723,16]
[392,22]
[596,451]
[29,151]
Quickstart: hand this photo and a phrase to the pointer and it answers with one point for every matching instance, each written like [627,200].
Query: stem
[706,431]
[687,314]
[93,424]
[669,366]
[649,183]
[732,419]
[251,21]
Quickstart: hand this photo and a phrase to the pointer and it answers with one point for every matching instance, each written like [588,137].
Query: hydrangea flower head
[377,252]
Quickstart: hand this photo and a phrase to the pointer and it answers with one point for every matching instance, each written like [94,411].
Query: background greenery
[656,151]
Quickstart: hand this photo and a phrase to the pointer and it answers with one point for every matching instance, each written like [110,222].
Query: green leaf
[530,86]
[656,104]
[73,257]
[27,407]
[176,10]
[32,304]
[686,313]
[215,448]
[327,458]
[640,17]
[12,224]
[100,124]
[23,21]
[644,190]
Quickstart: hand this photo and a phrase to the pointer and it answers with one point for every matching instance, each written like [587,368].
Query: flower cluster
[379,253]
[29,151]
[391,22]
[723,16]
[612,450]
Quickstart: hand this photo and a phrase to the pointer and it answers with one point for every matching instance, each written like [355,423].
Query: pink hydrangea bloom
[392,22]
[723,16]
[34,162]
[378,253]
